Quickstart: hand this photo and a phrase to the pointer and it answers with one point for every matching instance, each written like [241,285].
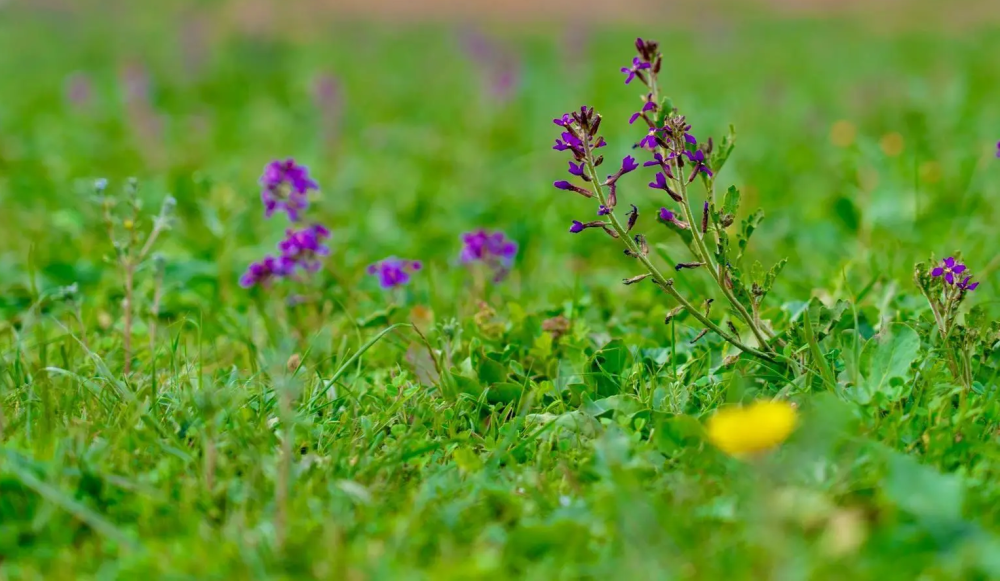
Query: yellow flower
[842,133]
[758,427]
[891,144]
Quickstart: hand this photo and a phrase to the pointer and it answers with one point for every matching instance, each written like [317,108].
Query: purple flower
[492,249]
[576,169]
[394,272]
[660,161]
[998,149]
[965,286]
[690,139]
[949,268]
[304,247]
[603,210]
[660,183]
[631,73]
[649,106]
[263,273]
[670,217]
[487,247]
[565,121]
[577,227]
[698,158]
[285,187]
[629,165]
[650,140]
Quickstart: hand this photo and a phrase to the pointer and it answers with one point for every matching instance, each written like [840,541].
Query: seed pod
[700,335]
[636,279]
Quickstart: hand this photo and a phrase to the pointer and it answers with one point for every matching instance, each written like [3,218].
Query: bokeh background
[867,130]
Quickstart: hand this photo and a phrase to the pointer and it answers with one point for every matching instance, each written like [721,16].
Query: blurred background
[867,131]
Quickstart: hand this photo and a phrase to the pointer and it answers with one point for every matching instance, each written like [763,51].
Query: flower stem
[664,283]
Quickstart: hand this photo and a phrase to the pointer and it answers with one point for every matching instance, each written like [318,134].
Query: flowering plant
[679,161]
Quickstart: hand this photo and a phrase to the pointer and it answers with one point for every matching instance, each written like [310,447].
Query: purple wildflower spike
[285,188]
[949,268]
[304,247]
[263,273]
[394,272]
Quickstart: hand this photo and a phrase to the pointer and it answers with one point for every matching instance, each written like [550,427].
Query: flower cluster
[952,271]
[678,160]
[492,249]
[285,187]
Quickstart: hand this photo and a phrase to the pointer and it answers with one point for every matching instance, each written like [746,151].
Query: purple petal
[959,269]
[633,118]
[972,286]
[950,278]
[949,262]
[937,271]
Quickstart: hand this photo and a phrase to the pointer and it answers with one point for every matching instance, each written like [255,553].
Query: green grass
[517,455]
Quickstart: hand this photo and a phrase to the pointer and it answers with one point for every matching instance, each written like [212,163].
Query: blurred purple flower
[79,89]
[394,272]
[263,273]
[493,249]
[304,247]
[998,149]
[285,187]
[949,268]
[328,97]
[499,67]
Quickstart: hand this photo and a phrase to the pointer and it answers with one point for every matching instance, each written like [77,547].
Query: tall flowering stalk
[679,162]
[132,248]
[285,187]
[946,285]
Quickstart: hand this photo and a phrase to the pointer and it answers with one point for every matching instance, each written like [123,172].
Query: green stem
[664,283]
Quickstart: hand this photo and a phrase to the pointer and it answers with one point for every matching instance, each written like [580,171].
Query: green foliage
[550,426]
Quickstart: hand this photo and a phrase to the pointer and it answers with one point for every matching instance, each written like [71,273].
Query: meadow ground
[546,425]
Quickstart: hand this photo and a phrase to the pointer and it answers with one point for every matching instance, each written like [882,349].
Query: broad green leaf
[886,360]
[923,491]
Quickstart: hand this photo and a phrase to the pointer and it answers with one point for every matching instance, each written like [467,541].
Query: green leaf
[731,201]
[678,432]
[490,371]
[608,364]
[923,491]
[505,392]
[747,229]
[886,360]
